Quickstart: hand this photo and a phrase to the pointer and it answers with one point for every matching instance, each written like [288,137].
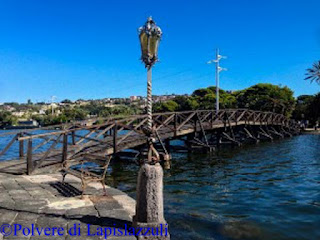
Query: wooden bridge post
[190,137]
[73,137]
[175,124]
[65,147]
[218,138]
[115,142]
[225,119]
[29,157]
[21,146]
[211,120]
[167,144]
[195,119]
[236,115]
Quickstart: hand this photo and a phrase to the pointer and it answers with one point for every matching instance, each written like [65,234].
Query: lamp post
[149,203]
[150,35]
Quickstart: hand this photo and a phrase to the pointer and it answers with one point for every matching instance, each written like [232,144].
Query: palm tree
[313,74]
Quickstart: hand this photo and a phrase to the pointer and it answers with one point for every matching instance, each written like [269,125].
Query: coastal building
[19,113]
[28,124]
[42,112]
[8,108]
[110,105]
[230,91]
[133,98]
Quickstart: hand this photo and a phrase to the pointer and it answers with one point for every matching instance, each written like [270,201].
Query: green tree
[168,106]
[6,118]
[202,92]
[105,113]
[66,101]
[267,97]
[208,101]
[313,74]
[228,100]
[207,98]
[93,108]
[121,110]
[301,110]
[313,109]
[186,103]
[191,104]
[75,114]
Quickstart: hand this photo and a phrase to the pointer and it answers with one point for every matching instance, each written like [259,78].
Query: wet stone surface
[35,206]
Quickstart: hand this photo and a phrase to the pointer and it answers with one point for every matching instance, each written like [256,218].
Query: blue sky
[90,49]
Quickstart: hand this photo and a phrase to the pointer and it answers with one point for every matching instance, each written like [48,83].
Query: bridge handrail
[120,120]
[82,122]
[60,126]
[115,133]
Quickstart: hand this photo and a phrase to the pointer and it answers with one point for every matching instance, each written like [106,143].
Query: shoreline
[311,131]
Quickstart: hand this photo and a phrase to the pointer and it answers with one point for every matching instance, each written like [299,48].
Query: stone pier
[42,200]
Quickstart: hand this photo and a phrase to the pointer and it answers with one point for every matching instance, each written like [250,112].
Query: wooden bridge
[27,151]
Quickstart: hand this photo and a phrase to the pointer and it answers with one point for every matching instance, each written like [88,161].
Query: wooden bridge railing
[72,141]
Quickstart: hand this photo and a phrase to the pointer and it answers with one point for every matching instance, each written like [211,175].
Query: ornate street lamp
[150,35]
[149,202]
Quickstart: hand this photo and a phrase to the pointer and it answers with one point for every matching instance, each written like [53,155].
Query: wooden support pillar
[211,120]
[195,123]
[218,138]
[65,147]
[195,118]
[190,137]
[73,137]
[21,146]
[175,124]
[250,135]
[225,118]
[236,115]
[167,144]
[115,142]
[29,158]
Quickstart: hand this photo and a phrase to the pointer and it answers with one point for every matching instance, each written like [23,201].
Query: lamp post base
[149,219]
[152,231]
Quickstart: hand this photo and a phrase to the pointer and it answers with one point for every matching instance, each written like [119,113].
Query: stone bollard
[149,207]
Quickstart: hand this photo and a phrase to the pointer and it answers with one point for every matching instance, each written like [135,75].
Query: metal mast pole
[217,80]
[218,70]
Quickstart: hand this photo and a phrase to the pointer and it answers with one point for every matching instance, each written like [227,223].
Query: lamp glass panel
[144,44]
[154,41]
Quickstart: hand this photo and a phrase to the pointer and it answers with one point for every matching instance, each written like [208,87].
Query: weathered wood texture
[114,135]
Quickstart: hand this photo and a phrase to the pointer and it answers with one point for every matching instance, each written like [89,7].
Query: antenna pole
[218,70]
[217,80]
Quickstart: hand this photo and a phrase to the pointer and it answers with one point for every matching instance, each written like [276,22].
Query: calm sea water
[267,191]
